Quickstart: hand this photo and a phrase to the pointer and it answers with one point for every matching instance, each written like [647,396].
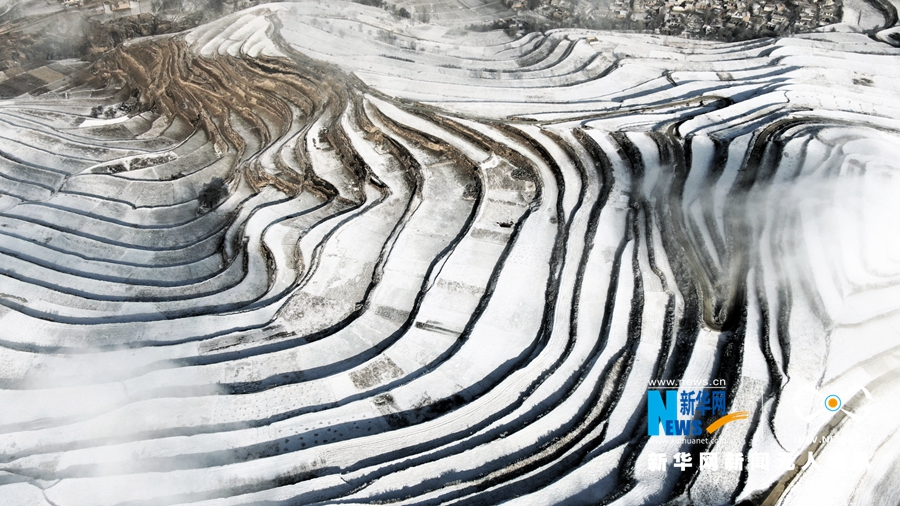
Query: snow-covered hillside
[316,253]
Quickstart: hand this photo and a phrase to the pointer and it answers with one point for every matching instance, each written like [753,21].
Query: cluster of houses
[737,19]
[707,19]
[111,8]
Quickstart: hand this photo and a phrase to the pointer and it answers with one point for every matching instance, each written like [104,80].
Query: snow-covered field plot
[330,253]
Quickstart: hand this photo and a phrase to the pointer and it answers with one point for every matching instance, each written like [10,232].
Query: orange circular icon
[832,402]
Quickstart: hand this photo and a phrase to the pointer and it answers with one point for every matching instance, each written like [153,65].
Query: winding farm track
[447,264]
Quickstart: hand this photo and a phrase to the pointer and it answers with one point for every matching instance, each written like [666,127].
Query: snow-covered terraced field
[323,254]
